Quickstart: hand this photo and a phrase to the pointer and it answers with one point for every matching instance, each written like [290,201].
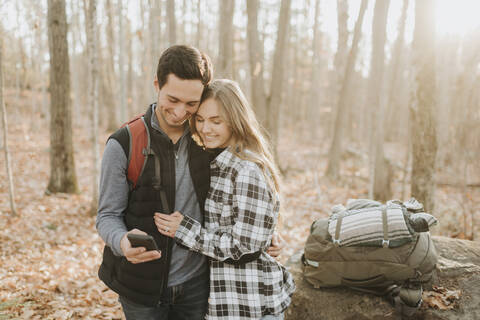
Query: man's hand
[277,245]
[138,254]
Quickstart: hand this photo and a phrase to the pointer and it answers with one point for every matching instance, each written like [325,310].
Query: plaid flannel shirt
[240,217]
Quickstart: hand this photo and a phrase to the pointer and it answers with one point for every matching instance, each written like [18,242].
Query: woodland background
[362,99]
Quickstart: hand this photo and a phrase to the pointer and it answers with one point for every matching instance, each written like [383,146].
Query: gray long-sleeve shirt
[113,200]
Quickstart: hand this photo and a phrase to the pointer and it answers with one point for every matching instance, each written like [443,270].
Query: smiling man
[171,283]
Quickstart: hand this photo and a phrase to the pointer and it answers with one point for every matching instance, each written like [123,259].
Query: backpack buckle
[336,242]
[385,243]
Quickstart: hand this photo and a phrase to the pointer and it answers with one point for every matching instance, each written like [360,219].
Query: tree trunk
[11,190]
[172,22]
[91,29]
[315,87]
[130,85]
[199,23]
[389,123]
[62,165]
[225,41]
[121,65]
[333,167]
[422,112]
[380,171]
[339,61]
[255,53]
[110,79]
[276,89]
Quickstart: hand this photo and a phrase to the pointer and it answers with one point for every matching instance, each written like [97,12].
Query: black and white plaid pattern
[240,217]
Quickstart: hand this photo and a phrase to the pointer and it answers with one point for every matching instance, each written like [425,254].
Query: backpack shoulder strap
[139,143]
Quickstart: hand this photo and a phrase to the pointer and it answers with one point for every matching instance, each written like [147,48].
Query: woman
[241,211]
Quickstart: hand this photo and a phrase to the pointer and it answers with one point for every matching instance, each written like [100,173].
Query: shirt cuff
[187,230]
[117,239]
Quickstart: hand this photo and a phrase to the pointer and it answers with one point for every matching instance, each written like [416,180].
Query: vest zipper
[169,240]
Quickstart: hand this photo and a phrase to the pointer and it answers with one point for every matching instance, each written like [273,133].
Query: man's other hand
[277,245]
[138,254]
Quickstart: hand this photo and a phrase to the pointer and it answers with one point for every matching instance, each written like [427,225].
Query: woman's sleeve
[254,212]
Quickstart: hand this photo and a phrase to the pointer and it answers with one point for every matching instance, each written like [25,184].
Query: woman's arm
[256,215]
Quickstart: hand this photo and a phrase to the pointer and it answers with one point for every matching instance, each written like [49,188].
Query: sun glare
[457,16]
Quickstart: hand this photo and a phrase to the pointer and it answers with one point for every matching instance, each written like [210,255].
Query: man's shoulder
[123,138]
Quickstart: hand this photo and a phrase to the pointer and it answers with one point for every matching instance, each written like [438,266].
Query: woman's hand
[167,224]
[277,245]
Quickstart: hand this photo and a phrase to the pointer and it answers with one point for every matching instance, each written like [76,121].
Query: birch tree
[62,165]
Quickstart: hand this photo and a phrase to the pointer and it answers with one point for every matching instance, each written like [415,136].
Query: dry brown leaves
[441,298]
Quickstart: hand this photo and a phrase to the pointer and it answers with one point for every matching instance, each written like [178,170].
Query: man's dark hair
[185,62]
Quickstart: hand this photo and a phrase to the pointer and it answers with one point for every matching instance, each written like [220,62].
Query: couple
[220,179]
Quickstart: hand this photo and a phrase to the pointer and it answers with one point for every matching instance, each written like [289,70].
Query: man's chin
[176,124]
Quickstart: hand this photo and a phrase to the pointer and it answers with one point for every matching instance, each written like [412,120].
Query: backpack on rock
[384,249]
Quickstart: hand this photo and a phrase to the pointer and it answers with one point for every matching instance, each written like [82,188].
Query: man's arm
[112,202]
[113,196]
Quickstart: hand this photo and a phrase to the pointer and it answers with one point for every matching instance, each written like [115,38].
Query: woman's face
[212,128]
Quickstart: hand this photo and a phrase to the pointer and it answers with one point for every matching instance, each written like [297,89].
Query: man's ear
[155,84]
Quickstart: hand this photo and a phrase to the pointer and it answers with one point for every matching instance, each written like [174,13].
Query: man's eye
[173,100]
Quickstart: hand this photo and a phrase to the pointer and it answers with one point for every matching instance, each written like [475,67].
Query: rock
[458,268]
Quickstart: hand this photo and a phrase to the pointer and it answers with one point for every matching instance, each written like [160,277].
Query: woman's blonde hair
[246,131]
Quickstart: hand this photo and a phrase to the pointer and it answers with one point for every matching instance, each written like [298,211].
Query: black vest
[144,282]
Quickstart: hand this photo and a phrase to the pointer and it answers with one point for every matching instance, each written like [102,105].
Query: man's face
[177,100]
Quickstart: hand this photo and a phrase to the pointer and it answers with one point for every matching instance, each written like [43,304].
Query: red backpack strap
[139,142]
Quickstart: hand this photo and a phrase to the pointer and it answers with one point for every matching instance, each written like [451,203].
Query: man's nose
[180,111]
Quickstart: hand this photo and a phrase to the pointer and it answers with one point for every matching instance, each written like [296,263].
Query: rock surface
[458,268]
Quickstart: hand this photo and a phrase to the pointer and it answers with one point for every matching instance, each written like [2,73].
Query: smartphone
[142,240]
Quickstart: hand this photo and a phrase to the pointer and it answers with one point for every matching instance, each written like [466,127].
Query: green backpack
[375,248]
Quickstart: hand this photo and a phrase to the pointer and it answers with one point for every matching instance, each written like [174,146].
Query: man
[172,283]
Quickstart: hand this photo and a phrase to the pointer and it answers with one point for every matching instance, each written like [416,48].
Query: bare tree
[333,168]
[91,31]
[269,106]
[393,81]
[11,190]
[422,111]
[172,22]
[121,65]
[255,52]
[380,171]
[342,49]
[316,68]
[199,23]
[109,78]
[225,32]
[62,165]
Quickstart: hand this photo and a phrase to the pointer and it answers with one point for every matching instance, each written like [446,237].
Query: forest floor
[50,252]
